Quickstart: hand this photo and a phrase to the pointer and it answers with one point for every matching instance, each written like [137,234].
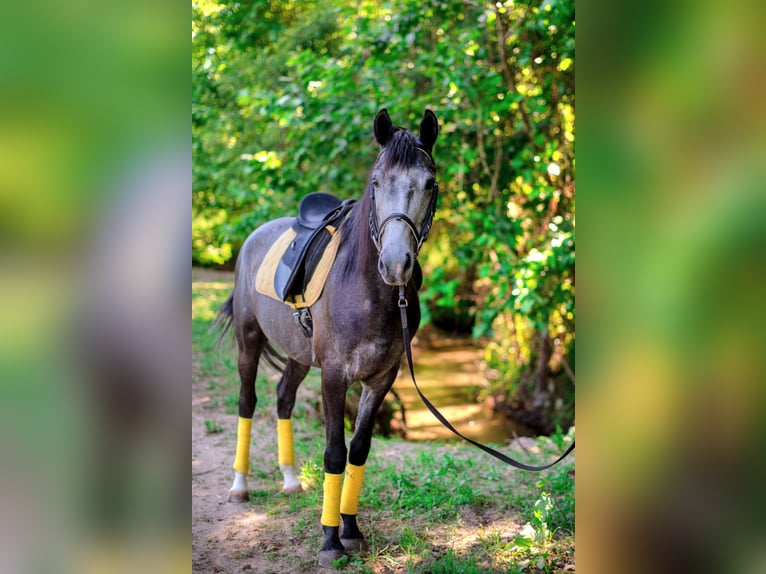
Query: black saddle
[315,212]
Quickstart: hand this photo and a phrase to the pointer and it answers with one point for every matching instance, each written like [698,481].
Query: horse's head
[403,193]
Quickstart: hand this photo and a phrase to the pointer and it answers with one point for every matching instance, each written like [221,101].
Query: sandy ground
[234,538]
[231,538]
[228,537]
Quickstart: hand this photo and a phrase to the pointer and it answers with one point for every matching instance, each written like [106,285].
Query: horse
[356,324]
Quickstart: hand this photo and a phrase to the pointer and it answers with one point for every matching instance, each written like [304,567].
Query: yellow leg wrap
[285,442]
[242,460]
[331,502]
[352,486]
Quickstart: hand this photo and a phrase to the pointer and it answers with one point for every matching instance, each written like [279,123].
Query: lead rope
[440,417]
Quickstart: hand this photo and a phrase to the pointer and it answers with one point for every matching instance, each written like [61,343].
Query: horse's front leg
[369,403]
[334,387]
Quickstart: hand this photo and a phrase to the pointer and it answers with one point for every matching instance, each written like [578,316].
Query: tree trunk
[543,359]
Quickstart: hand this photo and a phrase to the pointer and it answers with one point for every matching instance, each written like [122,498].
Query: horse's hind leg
[250,347]
[369,403]
[286,389]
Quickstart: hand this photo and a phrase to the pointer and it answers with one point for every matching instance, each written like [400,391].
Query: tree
[284,94]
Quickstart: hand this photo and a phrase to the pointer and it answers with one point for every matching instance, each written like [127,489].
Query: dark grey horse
[357,331]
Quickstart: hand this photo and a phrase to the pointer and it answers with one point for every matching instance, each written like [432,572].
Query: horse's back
[258,243]
[257,311]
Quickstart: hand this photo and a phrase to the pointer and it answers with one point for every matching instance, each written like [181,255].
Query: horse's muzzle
[395,267]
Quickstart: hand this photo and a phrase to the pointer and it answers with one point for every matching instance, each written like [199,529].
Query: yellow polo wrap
[352,487]
[285,442]
[242,459]
[331,502]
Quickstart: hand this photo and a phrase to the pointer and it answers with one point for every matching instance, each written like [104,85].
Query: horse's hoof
[354,544]
[327,557]
[292,489]
[238,496]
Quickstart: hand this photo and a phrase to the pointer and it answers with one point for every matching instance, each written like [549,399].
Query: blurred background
[672,273]
[95,174]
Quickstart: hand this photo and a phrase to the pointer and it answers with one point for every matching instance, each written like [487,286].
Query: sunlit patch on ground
[425,506]
[206,297]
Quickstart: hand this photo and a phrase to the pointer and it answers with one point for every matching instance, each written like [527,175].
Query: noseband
[420,235]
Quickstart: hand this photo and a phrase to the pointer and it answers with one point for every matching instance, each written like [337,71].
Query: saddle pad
[264,278]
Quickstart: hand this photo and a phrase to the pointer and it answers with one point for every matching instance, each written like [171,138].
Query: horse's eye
[374,182]
[430,184]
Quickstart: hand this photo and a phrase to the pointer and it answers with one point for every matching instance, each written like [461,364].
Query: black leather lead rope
[440,417]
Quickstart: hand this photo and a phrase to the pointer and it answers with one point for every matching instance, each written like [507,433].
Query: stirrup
[303,318]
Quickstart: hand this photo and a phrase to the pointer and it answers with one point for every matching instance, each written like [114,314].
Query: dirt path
[228,537]
[278,534]
[233,538]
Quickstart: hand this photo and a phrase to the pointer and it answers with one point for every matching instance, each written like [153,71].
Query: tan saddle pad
[264,278]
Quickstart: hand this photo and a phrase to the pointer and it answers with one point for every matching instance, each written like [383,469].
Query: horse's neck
[365,279]
[368,282]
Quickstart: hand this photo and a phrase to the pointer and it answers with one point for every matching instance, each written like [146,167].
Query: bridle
[420,235]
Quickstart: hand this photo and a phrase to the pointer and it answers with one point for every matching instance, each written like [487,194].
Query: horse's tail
[225,319]
[274,358]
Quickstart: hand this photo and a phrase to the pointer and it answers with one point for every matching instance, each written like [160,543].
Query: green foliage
[535,542]
[557,483]
[340,562]
[452,562]
[560,485]
[213,427]
[231,402]
[283,99]
[410,542]
[418,498]
[439,485]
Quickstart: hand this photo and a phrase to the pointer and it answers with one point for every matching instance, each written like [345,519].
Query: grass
[213,427]
[449,563]
[427,482]
[425,507]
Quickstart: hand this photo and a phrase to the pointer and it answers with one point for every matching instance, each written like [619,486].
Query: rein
[434,411]
[420,237]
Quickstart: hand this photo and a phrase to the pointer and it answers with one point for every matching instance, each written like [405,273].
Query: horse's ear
[384,129]
[429,130]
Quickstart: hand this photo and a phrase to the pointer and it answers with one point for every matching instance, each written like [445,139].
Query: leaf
[522,542]
[250,80]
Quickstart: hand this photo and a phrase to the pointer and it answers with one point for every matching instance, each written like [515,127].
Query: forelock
[403,151]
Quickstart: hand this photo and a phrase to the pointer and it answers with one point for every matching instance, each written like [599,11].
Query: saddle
[319,215]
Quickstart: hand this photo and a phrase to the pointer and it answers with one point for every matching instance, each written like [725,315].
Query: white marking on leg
[238,491]
[292,484]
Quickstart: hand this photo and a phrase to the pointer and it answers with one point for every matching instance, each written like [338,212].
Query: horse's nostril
[407,262]
[395,270]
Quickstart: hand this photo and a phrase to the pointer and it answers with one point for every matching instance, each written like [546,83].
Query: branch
[568,369]
[542,362]
[507,73]
[480,144]
[496,171]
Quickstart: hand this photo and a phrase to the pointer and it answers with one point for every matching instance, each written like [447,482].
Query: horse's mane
[356,230]
[401,152]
